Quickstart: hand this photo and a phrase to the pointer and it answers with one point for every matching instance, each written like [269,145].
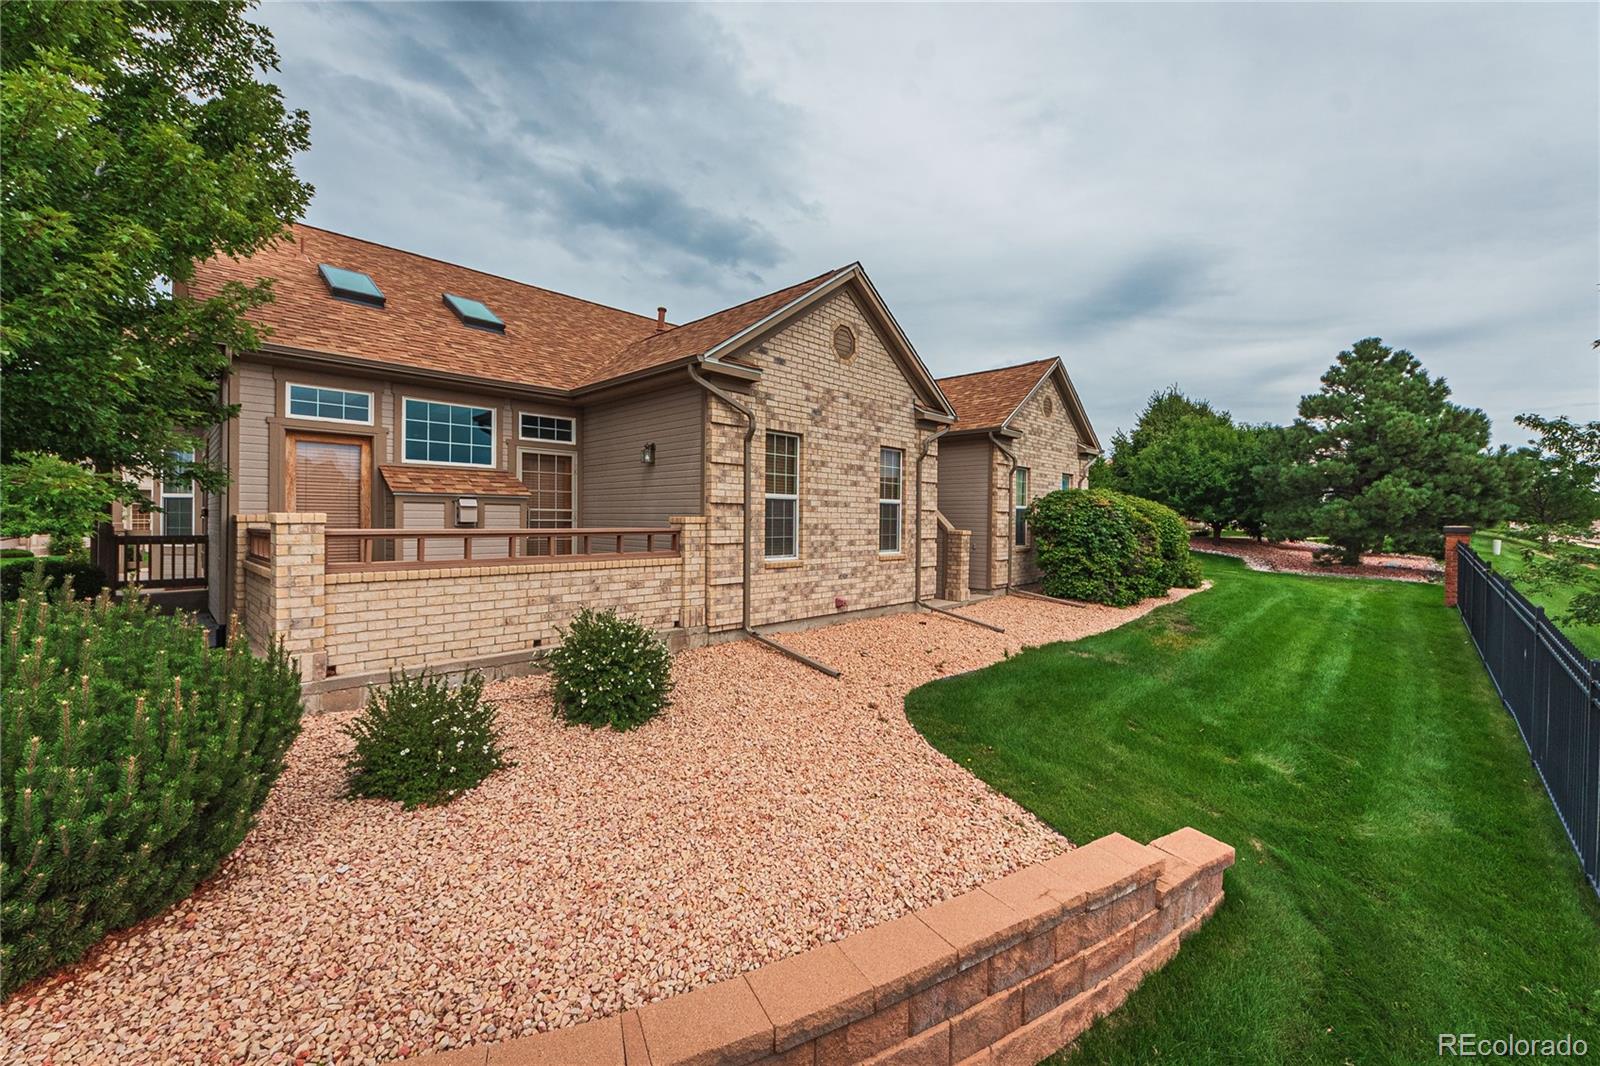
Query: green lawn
[1401,872]
[1554,600]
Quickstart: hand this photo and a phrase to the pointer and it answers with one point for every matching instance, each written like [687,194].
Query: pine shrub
[1106,547]
[86,578]
[134,759]
[610,671]
[421,742]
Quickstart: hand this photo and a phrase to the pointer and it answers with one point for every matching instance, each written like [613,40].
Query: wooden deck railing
[401,549]
[258,544]
[155,561]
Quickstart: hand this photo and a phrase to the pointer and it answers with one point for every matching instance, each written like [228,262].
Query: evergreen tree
[1380,456]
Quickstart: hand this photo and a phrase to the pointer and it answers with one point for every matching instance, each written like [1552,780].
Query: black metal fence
[1552,691]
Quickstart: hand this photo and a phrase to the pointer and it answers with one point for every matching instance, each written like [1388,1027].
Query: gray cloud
[1221,196]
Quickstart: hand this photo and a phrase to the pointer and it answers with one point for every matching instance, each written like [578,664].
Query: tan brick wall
[957,563]
[285,600]
[1048,448]
[844,412]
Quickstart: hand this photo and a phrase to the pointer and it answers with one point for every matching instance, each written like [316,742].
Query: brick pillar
[299,596]
[1453,535]
[692,574]
[957,565]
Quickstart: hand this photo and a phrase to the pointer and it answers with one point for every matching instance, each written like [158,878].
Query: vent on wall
[351,285]
[473,313]
[844,341]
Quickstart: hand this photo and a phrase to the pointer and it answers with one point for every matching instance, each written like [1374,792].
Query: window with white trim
[891,499]
[782,527]
[1019,506]
[448,433]
[547,427]
[177,502]
[329,405]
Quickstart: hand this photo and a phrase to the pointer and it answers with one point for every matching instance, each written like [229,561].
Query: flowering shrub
[610,670]
[421,742]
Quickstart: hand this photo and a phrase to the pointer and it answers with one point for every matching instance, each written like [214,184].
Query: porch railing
[400,549]
[158,561]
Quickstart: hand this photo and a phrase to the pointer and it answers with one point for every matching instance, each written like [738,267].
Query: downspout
[1011,512]
[927,444]
[749,435]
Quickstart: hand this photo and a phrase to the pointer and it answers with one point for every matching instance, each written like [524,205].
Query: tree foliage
[1188,455]
[1556,480]
[136,141]
[1380,455]
[43,494]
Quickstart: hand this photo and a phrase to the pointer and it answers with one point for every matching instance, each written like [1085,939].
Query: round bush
[87,579]
[132,762]
[610,671]
[1106,547]
[421,742]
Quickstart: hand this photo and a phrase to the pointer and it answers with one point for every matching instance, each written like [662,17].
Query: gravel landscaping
[1295,557]
[769,810]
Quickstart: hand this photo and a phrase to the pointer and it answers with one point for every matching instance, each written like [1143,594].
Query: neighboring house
[1021,433]
[397,391]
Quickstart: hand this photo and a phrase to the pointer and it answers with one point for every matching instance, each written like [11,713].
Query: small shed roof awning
[418,480]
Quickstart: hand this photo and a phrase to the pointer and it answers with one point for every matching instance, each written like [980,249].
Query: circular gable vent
[844,341]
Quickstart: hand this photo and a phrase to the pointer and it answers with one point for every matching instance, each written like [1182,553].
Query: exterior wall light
[648,455]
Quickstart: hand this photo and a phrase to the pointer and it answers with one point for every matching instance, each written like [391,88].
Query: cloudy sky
[1220,197]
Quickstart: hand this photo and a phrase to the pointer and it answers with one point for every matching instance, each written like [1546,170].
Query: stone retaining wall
[1008,973]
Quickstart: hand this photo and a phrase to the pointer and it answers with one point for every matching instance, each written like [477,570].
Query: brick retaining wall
[1008,973]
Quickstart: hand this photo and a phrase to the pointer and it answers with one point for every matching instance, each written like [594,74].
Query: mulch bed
[1296,557]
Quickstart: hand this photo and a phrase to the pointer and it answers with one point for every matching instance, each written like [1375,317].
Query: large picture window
[330,405]
[783,496]
[891,499]
[1019,506]
[449,433]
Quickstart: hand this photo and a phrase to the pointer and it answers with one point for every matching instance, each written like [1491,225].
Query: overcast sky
[1220,197]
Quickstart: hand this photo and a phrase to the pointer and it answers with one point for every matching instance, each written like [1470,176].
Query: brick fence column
[692,573]
[957,565]
[1453,535]
[299,595]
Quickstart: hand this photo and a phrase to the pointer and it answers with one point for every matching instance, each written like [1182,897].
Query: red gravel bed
[1295,557]
[770,810]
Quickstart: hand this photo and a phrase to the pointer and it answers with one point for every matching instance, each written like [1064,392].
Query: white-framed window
[177,502]
[891,499]
[547,427]
[327,405]
[1019,506]
[452,434]
[782,527]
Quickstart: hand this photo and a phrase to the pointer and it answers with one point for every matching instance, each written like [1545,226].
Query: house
[1021,433]
[773,462]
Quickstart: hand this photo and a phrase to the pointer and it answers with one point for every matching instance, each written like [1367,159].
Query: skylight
[473,313]
[351,285]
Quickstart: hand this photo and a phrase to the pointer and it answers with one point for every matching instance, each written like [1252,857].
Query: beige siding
[215,503]
[428,514]
[964,497]
[614,487]
[258,403]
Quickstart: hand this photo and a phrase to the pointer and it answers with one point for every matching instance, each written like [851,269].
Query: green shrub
[421,742]
[132,761]
[1106,547]
[15,553]
[87,579]
[610,671]
[1174,568]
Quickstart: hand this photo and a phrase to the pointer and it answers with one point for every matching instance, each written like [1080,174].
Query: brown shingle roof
[451,481]
[703,334]
[986,399]
[551,340]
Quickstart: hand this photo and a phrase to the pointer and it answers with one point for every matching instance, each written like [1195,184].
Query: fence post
[1453,535]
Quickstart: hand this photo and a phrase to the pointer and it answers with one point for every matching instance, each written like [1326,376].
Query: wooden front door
[329,473]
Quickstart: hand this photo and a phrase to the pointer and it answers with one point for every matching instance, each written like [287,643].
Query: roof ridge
[472,270]
[753,299]
[1000,369]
